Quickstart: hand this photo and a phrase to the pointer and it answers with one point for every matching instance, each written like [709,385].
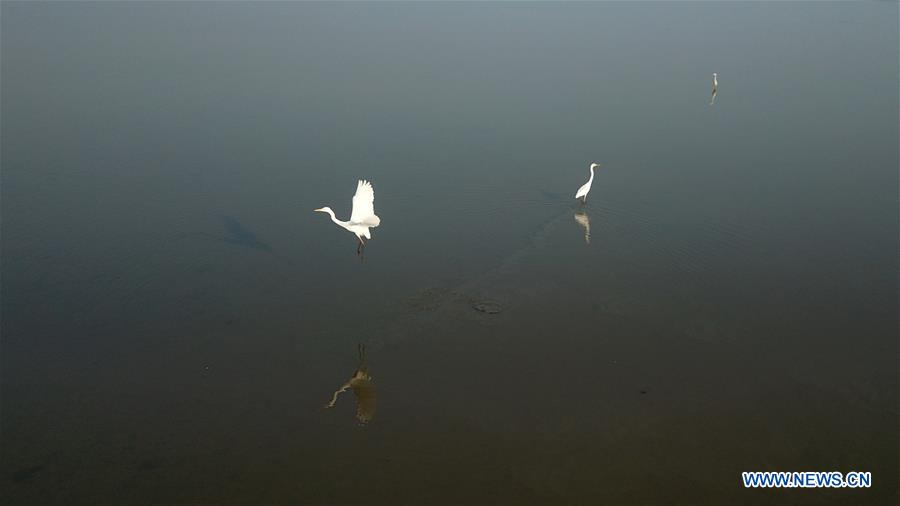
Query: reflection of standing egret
[586,187]
[585,221]
[715,89]
[363,388]
[363,215]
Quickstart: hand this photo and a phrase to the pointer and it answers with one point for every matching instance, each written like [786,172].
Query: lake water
[175,318]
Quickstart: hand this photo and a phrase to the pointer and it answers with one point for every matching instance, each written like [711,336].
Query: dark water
[175,318]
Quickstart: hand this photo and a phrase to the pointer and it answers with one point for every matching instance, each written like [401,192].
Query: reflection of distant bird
[363,388]
[715,89]
[363,215]
[585,221]
[586,187]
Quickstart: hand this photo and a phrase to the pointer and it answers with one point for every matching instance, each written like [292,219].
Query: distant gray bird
[715,89]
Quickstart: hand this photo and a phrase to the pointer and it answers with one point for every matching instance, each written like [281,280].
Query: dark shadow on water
[240,236]
[26,474]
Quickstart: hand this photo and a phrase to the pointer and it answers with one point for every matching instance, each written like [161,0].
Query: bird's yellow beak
[319,209]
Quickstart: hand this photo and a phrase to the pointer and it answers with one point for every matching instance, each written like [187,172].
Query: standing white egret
[586,187]
[715,89]
[363,215]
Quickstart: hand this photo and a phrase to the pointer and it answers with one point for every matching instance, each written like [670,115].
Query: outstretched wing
[363,205]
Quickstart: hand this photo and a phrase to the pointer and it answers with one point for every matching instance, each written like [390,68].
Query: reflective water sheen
[175,316]
[363,387]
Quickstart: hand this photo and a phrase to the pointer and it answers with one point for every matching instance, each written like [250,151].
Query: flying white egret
[363,215]
[586,187]
[715,89]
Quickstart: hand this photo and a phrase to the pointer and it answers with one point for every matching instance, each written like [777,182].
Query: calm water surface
[175,318]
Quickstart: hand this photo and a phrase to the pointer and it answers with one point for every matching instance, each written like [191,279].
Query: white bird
[363,215]
[715,89]
[586,187]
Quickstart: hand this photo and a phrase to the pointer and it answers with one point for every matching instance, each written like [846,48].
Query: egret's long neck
[592,174]
[334,219]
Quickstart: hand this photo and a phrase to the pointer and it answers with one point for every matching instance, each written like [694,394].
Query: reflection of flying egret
[363,215]
[586,187]
[363,388]
[585,221]
[715,89]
